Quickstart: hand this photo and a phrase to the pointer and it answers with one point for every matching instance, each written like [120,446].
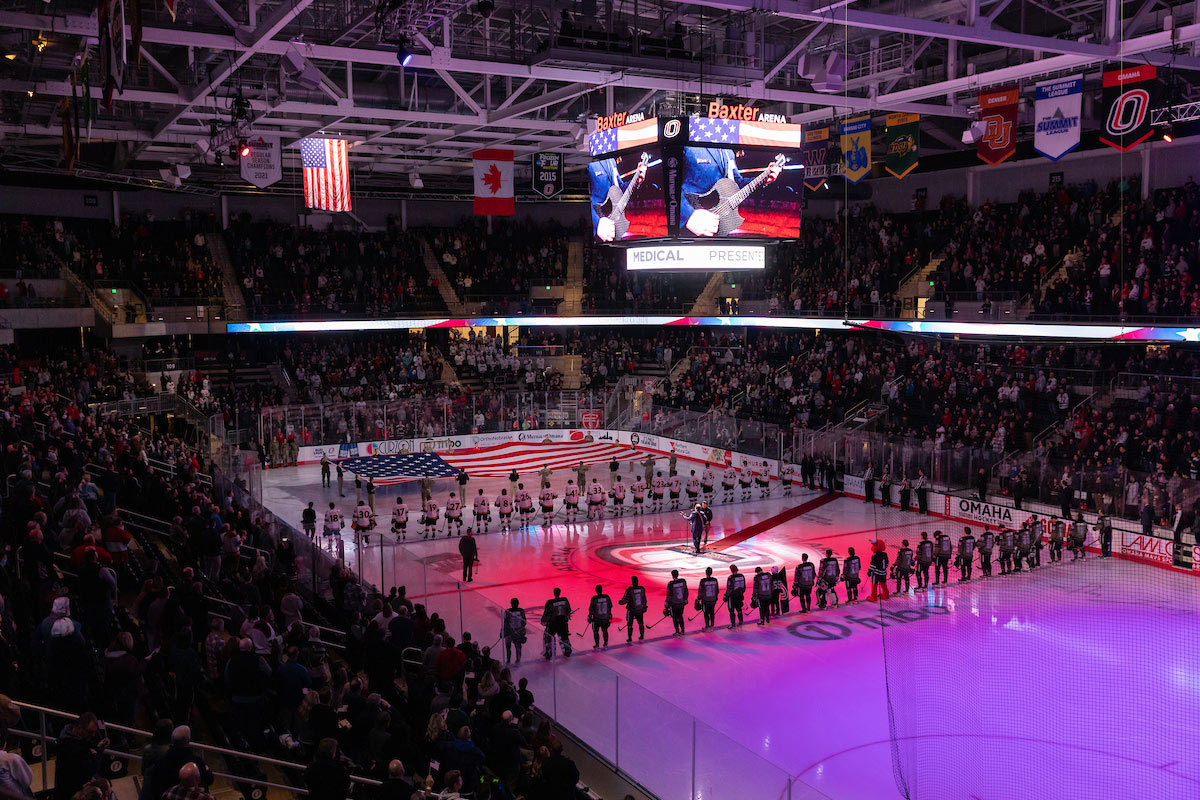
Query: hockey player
[429,518]
[902,569]
[639,495]
[827,578]
[1057,537]
[660,490]
[692,488]
[676,603]
[571,500]
[453,515]
[877,571]
[851,569]
[556,617]
[634,601]
[546,503]
[802,585]
[400,519]
[735,595]
[706,599]
[707,481]
[595,500]
[1024,548]
[363,522]
[483,512]
[762,477]
[763,590]
[966,555]
[504,507]
[924,559]
[985,545]
[1078,538]
[599,616]
[728,481]
[780,599]
[512,629]
[524,504]
[675,487]
[1035,528]
[618,492]
[333,522]
[785,478]
[745,481]
[1007,542]
[943,547]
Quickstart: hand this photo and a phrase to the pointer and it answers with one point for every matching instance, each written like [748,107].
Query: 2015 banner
[815,152]
[856,148]
[903,140]
[998,110]
[1056,111]
[1128,96]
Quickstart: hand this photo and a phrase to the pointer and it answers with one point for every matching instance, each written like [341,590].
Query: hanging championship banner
[264,165]
[814,152]
[998,110]
[1056,110]
[548,174]
[903,139]
[1129,94]
[856,148]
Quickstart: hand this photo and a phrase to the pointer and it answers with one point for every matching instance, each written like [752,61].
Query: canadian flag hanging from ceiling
[494,183]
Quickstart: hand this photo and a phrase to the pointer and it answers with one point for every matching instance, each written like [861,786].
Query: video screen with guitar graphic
[743,192]
[627,197]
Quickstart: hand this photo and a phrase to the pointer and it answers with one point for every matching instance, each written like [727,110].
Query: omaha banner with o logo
[1129,94]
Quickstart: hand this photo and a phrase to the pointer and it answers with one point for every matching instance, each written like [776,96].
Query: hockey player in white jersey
[400,519]
[483,513]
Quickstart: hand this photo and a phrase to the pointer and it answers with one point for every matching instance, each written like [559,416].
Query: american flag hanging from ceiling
[326,167]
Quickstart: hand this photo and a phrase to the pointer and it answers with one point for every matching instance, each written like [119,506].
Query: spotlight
[975,132]
[403,53]
[218,159]
[243,148]
[485,8]
[1168,133]
[10,56]
[233,149]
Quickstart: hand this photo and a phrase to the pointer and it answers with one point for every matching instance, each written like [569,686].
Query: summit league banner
[998,110]
[1129,94]
[264,165]
[1056,111]
[903,142]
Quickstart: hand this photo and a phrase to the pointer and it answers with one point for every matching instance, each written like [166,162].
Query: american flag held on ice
[488,462]
[326,167]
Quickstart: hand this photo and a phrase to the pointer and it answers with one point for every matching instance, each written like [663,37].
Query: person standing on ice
[556,616]
[878,572]
[735,595]
[634,601]
[695,520]
[706,599]
[677,595]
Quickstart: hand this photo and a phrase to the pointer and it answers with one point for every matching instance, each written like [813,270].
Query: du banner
[1056,110]
[856,148]
[1129,94]
[998,110]
[903,140]
[815,154]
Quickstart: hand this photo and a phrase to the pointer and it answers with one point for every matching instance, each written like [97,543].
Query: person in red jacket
[116,541]
[89,544]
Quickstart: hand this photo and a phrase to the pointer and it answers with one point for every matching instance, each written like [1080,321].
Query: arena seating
[500,268]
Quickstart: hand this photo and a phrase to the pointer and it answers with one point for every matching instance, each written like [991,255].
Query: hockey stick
[716,608]
[585,629]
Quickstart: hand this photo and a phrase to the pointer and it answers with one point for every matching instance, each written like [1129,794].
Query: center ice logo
[836,628]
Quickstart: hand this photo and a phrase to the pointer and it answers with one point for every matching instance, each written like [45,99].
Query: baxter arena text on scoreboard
[679,257]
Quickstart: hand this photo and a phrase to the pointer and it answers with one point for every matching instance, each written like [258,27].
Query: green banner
[903,143]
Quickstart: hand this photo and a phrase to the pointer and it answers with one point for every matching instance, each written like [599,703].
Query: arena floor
[1073,681]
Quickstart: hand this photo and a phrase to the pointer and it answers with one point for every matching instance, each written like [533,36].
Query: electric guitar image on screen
[724,197]
[613,207]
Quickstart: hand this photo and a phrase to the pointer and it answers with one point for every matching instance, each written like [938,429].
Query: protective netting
[1073,677]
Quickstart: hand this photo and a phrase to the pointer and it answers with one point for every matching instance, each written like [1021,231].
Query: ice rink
[1075,680]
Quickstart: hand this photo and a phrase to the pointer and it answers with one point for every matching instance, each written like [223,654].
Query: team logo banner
[856,148]
[1129,94]
[903,139]
[264,166]
[998,109]
[1056,110]
[815,154]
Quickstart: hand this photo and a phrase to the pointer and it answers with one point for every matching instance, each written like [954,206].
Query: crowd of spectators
[503,264]
[1136,258]
[205,627]
[31,247]
[287,270]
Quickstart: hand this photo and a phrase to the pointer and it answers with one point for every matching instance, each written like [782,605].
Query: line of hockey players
[1017,550]
[649,492]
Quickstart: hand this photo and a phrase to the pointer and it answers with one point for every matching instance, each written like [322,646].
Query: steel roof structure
[528,74]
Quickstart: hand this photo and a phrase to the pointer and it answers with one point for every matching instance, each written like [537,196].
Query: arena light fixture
[1168,133]
[485,8]
[974,132]
[404,52]
[414,180]
[243,148]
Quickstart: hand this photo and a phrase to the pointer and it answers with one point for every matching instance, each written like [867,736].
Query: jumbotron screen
[696,178]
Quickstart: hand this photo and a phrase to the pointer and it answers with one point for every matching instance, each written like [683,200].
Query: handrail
[225,751]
